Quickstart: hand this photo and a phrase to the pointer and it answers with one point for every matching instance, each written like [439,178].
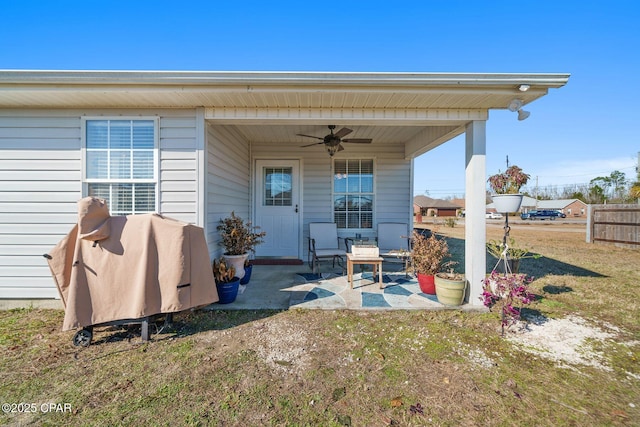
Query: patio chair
[324,243]
[394,242]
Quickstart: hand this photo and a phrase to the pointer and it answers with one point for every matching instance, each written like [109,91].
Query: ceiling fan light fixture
[332,149]
[333,141]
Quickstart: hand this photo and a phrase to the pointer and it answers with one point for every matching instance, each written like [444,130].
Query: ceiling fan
[333,141]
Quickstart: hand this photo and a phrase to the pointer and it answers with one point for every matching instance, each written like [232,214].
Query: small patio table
[370,260]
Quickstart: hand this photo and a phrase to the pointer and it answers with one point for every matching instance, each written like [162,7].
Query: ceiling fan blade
[310,136]
[342,132]
[340,147]
[358,140]
[309,145]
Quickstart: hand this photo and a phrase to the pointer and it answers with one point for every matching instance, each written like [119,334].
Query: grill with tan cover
[120,268]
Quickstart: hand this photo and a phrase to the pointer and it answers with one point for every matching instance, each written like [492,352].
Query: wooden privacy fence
[615,224]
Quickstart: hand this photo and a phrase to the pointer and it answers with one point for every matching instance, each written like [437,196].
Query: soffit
[131,89]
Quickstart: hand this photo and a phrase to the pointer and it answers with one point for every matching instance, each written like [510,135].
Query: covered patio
[284,287]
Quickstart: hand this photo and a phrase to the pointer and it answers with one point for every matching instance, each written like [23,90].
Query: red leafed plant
[509,181]
[510,291]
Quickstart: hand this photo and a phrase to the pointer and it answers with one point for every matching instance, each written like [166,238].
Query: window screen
[121,164]
[353,193]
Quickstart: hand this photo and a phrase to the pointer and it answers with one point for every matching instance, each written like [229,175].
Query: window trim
[374,192]
[156,155]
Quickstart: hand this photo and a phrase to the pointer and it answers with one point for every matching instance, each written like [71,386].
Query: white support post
[475,206]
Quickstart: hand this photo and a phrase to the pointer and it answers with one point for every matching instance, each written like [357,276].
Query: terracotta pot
[450,291]
[427,283]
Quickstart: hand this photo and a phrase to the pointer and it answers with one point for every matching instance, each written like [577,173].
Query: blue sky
[586,129]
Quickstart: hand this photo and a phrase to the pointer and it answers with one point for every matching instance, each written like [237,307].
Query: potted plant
[506,188]
[510,291]
[227,282]
[238,238]
[427,258]
[450,287]
[508,255]
[248,268]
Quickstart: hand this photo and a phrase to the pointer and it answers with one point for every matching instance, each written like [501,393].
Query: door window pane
[278,186]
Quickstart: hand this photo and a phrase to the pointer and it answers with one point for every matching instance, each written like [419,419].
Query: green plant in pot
[506,189]
[227,283]
[428,255]
[450,286]
[508,255]
[239,238]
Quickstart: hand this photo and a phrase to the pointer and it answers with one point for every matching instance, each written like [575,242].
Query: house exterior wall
[41,181]
[392,183]
[576,209]
[228,180]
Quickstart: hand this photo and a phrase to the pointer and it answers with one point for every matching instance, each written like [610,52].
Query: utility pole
[507,161]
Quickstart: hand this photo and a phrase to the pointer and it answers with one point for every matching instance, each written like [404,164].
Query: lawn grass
[334,368]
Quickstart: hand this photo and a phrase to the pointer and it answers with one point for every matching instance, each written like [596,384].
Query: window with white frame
[120,164]
[353,193]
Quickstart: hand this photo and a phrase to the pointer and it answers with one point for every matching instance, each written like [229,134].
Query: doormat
[276,261]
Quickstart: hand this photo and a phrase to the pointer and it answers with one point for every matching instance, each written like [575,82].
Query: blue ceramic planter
[227,292]
[247,275]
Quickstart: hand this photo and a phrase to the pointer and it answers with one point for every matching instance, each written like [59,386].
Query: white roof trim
[284,77]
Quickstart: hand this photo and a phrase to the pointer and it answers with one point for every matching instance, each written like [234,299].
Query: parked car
[494,215]
[542,215]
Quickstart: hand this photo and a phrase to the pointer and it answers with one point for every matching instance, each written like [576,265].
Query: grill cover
[111,268]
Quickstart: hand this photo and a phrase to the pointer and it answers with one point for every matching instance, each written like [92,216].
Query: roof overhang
[418,110]
[184,89]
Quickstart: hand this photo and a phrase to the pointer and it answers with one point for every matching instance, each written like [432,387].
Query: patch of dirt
[283,345]
[567,341]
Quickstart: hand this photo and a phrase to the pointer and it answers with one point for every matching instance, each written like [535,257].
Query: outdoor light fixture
[523,88]
[516,105]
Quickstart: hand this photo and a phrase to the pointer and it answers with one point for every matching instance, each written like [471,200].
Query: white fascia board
[255,78]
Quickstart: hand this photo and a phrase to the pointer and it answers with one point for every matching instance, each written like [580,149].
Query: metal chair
[394,242]
[324,243]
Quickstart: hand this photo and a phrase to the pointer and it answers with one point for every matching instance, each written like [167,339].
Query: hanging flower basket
[506,203]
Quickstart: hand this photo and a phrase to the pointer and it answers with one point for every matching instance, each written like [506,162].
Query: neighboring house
[573,208]
[424,207]
[460,203]
[197,145]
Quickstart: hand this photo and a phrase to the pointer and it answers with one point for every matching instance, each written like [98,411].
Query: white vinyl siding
[228,180]
[41,166]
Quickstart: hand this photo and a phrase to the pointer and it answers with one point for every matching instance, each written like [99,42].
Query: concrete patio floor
[281,287]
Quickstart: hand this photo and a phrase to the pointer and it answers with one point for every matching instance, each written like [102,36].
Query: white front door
[277,207]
